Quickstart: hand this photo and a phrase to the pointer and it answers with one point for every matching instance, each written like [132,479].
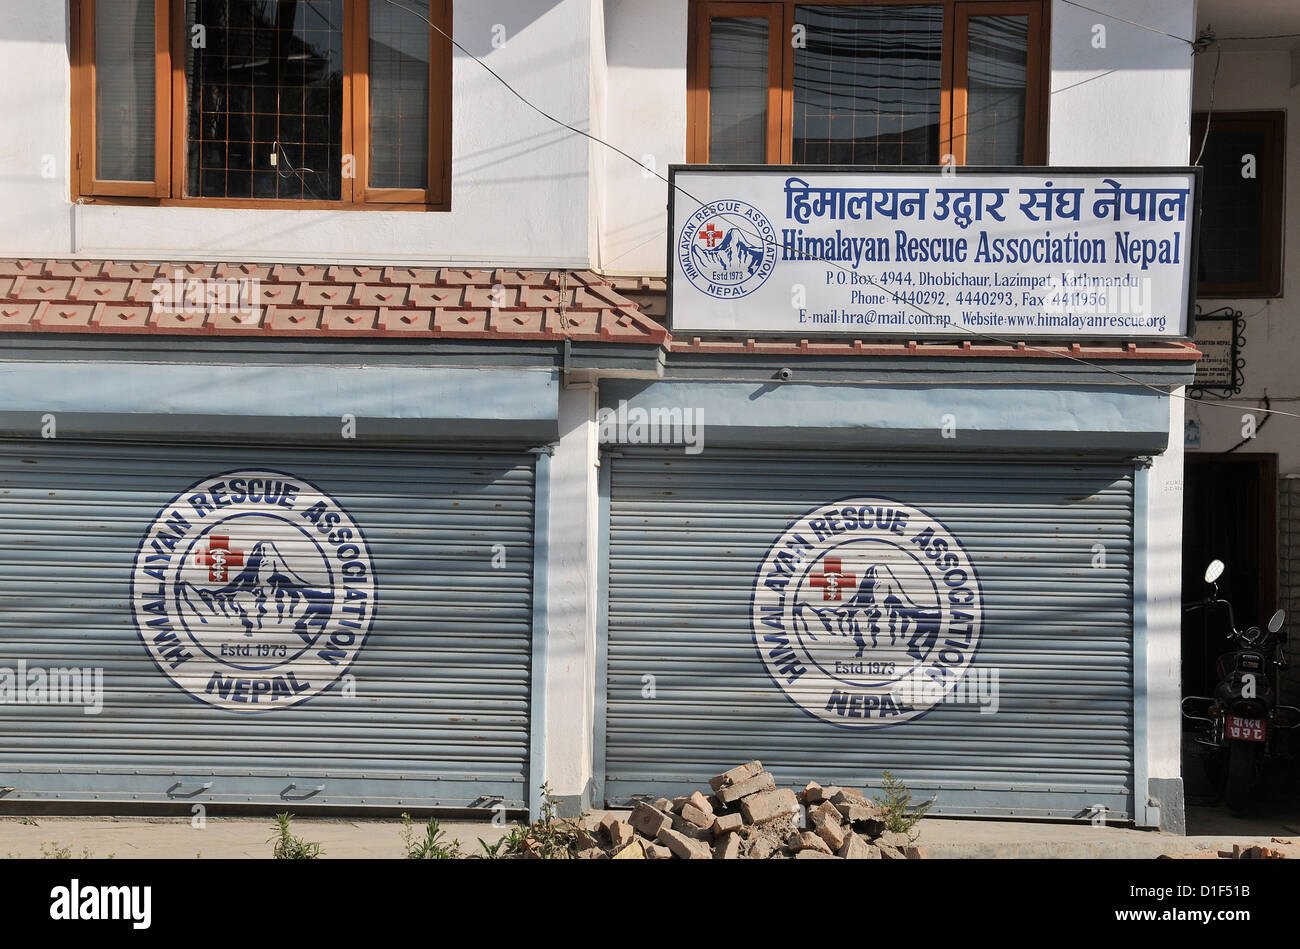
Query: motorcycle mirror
[1276,620]
[1213,571]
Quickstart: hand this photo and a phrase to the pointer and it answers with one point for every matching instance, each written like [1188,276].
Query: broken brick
[847,796]
[893,839]
[694,815]
[735,776]
[687,829]
[824,811]
[701,803]
[810,841]
[830,831]
[621,834]
[759,782]
[768,805]
[649,820]
[727,824]
[728,848]
[684,847]
[855,848]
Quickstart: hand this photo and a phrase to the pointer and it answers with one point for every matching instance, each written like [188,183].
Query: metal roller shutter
[688,695]
[428,705]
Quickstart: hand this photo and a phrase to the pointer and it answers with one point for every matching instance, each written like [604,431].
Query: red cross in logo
[219,558]
[710,235]
[832,579]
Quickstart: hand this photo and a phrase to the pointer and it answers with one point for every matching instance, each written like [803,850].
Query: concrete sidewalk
[248,837]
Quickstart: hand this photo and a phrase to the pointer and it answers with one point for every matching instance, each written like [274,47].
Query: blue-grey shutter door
[686,535]
[439,714]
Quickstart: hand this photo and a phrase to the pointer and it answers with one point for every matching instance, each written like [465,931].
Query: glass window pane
[265,99]
[738,90]
[995,90]
[1232,207]
[399,95]
[124,90]
[867,84]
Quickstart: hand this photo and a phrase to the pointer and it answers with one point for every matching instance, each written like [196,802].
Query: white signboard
[1033,252]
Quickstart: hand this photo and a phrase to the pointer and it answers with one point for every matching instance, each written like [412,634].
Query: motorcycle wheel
[1241,775]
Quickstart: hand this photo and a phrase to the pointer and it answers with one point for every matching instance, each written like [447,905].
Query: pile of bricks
[748,817]
[1238,852]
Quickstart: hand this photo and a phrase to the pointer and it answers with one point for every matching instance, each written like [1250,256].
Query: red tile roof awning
[91,296]
[310,300]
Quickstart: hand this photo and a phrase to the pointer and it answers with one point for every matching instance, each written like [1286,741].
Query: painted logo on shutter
[866,612]
[253,590]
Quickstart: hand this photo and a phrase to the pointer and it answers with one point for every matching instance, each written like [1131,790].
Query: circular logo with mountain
[727,249]
[253,590]
[867,612]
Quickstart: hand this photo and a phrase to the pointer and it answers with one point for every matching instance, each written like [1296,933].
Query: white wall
[519,187]
[599,81]
[1261,79]
[1127,102]
[571,601]
[1124,103]
[646,49]
[1164,603]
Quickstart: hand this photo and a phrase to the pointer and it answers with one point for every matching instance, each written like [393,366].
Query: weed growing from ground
[895,801]
[287,845]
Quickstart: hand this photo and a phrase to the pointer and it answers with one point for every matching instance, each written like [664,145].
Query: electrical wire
[961,326]
[1271,36]
[1209,114]
[1265,408]
[1141,26]
[1199,42]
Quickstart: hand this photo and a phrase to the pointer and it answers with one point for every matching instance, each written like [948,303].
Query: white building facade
[449,295]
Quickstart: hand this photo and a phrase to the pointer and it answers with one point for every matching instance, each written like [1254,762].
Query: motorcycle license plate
[1245,729]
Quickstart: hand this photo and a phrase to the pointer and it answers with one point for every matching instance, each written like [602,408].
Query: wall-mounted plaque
[1219,337]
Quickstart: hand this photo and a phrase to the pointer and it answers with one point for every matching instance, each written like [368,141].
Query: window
[868,83]
[1240,250]
[264,103]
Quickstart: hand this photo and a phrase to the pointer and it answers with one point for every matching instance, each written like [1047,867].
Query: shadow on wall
[483,27]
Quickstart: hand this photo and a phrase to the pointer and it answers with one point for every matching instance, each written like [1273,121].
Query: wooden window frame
[1035,144]
[170,123]
[952,125]
[1272,167]
[86,181]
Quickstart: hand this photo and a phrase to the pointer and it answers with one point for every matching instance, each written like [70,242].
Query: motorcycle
[1241,729]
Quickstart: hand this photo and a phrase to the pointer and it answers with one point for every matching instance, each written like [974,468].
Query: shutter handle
[305,792]
[177,789]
